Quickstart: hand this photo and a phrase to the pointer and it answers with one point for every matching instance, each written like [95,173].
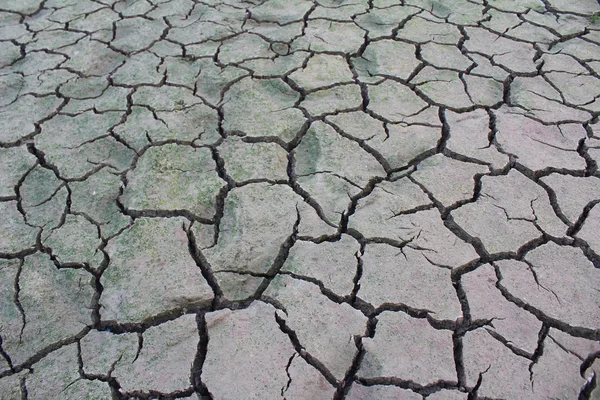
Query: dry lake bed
[299,200]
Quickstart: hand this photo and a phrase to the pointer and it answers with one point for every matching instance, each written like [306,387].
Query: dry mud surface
[277,199]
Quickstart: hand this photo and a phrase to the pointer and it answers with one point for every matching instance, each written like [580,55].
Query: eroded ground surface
[362,199]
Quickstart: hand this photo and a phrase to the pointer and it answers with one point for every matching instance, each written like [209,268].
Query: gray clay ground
[299,199]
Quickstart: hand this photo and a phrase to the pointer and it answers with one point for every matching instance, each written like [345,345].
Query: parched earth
[300,200]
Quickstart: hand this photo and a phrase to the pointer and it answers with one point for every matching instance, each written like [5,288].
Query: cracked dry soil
[307,199]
